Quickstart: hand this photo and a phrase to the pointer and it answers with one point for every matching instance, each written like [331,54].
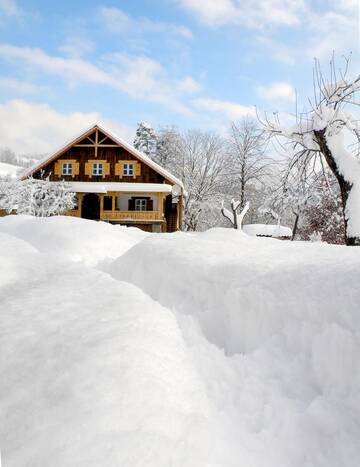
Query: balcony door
[90,207]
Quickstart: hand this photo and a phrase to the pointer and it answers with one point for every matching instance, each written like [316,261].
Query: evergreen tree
[146,139]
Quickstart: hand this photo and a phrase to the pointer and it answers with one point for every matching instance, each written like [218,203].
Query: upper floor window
[140,204]
[128,169]
[67,168]
[97,169]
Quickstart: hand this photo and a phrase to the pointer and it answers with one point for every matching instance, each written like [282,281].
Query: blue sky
[191,63]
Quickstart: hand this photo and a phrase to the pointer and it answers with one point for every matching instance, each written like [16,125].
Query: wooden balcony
[137,216]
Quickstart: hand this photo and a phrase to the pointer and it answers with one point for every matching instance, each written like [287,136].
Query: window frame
[128,169]
[65,169]
[96,169]
[139,203]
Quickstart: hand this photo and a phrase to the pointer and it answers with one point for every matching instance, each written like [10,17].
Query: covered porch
[141,205]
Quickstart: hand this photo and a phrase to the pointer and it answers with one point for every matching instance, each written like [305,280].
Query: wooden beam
[103,139]
[93,145]
[96,142]
[88,137]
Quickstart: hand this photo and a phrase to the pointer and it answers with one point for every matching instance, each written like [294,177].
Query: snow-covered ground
[121,348]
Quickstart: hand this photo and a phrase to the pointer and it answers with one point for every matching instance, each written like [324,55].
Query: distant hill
[9,170]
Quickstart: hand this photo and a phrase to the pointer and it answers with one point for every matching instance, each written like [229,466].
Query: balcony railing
[131,215]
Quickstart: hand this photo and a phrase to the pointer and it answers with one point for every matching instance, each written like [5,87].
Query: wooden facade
[115,183]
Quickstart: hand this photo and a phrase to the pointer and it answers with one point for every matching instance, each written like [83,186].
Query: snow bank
[92,371]
[274,328]
[211,349]
[73,238]
[268,230]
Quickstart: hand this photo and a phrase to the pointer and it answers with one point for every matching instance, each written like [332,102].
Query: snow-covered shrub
[326,219]
[40,198]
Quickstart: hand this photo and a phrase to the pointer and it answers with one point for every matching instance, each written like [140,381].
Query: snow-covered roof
[105,187]
[139,155]
[268,230]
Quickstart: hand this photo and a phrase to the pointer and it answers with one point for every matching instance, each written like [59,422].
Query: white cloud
[21,87]
[211,12]
[30,128]
[69,68]
[10,8]
[279,51]
[251,13]
[138,76]
[276,91]
[143,78]
[334,28]
[333,31]
[189,85]
[76,46]
[118,21]
[231,110]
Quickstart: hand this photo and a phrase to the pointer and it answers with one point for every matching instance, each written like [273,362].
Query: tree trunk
[345,186]
[235,218]
[295,227]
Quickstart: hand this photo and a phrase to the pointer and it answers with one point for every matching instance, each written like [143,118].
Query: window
[140,204]
[107,203]
[97,169]
[67,168]
[128,170]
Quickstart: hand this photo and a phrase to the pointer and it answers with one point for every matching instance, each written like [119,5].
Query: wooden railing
[131,215]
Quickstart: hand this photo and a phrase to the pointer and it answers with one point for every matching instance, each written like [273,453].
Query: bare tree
[168,149]
[320,135]
[234,217]
[203,166]
[250,165]
[291,196]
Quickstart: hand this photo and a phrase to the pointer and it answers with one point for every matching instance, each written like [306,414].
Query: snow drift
[286,315]
[92,371]
[72,238]
[200,350]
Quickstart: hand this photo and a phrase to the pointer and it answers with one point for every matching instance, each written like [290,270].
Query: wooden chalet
[115,183]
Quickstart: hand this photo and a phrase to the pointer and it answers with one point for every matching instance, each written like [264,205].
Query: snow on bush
[41,198]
